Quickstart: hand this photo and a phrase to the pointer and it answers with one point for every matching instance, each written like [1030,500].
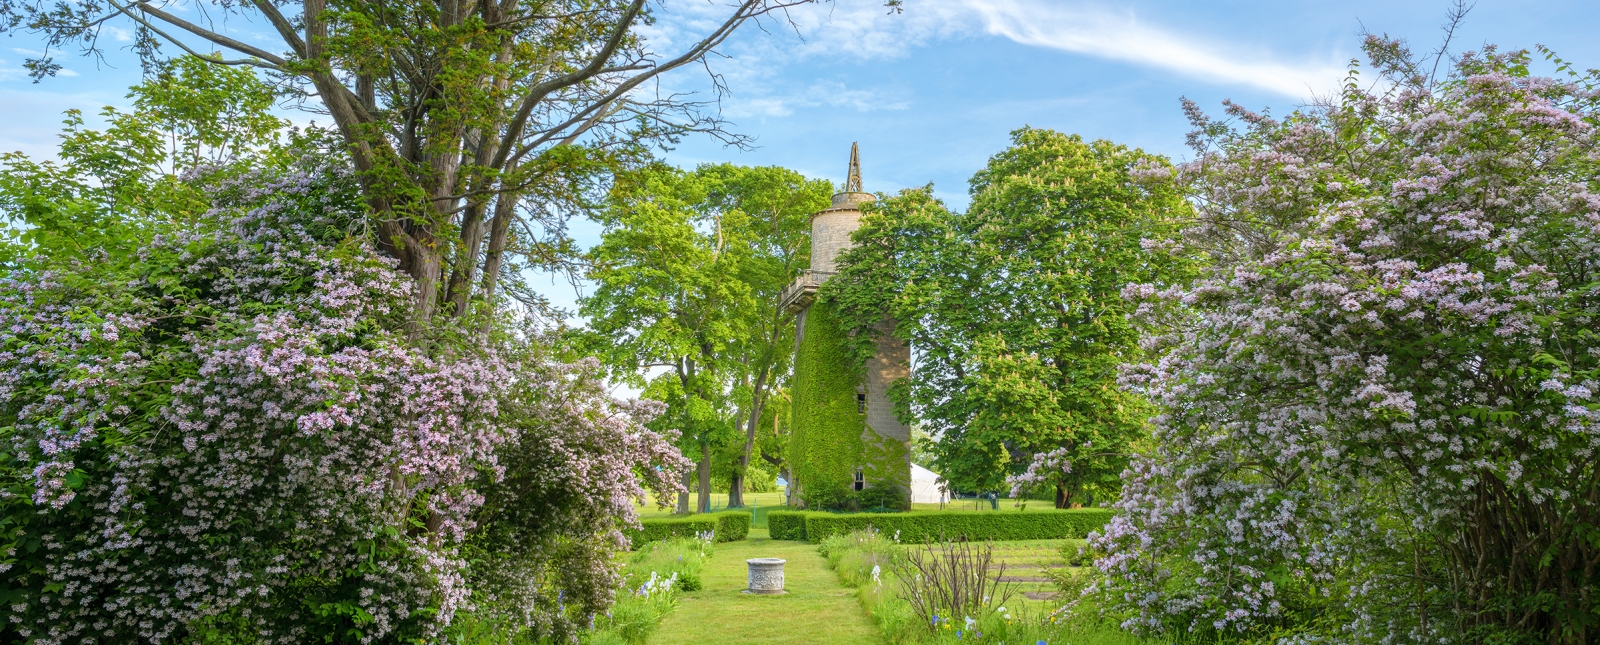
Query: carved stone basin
[766,575]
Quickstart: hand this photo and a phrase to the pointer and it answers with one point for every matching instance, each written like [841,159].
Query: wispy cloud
[1121,36]
[864,30]
[821,93]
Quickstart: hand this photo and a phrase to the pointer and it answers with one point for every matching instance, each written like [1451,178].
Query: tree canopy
[1014,309]
[475,129]
[686,283]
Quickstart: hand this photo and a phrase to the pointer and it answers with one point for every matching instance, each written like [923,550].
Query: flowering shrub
[1378,408]
[230,433]
[1044,469]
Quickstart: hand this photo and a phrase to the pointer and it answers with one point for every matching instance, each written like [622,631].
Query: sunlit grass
[816,610]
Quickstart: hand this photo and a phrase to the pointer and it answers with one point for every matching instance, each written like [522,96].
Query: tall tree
[468,122]
[687,279]
[770,210]
[1015,307]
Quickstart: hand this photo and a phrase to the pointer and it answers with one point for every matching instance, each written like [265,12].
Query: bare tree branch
[280,23]
[212,36]
[538,92]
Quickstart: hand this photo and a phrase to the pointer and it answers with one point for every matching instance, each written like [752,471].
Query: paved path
[816,611]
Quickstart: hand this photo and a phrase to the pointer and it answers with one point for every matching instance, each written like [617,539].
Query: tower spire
[853,183]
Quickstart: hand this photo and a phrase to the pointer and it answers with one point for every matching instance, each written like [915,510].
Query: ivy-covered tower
[845,441]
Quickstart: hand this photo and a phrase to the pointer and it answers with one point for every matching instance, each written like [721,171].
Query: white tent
[925,487]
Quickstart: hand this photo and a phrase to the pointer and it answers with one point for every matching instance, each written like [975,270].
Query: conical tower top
[852,184]
[852,195]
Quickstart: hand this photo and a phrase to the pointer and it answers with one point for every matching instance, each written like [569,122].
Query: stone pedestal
[766,575]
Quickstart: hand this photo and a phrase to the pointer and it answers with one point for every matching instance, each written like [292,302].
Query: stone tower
[883,456]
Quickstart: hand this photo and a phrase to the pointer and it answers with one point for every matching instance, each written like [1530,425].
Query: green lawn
[816,610]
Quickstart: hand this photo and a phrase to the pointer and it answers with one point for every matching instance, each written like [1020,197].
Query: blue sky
[932,92]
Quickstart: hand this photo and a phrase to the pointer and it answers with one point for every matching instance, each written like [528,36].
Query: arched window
[861,480]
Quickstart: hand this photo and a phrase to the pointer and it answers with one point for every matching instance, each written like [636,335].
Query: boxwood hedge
[787,525]
[663,528]
[732,526]
[919,526]
[727,526]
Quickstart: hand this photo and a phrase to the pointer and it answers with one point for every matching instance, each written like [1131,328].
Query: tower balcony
[800,293]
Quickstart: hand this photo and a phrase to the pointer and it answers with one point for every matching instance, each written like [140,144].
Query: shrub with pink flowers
[1379,407]
[230,433]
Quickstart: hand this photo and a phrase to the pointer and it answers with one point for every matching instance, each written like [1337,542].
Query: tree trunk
[788,490]
[703,501]
[499,227]
[736,491]
[1063,498]
[683,495]
[465,266]
[758,400]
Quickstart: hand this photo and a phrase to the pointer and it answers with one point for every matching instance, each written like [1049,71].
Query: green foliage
[1015,307]
[923,526]
[825,444]
[89,224]
[679,559]
[787,525]
[727,526]
[687,276]
[115,188]
[853,555]
[883,496]
[877,567]
[732,526]
[920,526]
[667,528]
[653,578]
[476,131]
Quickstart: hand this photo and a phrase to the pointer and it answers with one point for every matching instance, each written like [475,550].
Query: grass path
[816,611]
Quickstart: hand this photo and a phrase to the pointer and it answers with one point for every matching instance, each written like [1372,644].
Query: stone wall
[831,229]
[892,361]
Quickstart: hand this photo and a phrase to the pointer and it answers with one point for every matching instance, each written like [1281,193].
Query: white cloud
[1121,36]
[863,29]
[828,93]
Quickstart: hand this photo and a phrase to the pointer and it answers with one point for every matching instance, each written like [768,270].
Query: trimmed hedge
[732,526]
[787,525]
[930,525]
[728,526]
[665,528]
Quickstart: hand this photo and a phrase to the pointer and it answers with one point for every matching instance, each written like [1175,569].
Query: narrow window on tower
[861,480]
[861,403]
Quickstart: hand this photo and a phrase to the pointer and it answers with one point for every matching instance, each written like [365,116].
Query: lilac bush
[1379,407]
[231,435]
